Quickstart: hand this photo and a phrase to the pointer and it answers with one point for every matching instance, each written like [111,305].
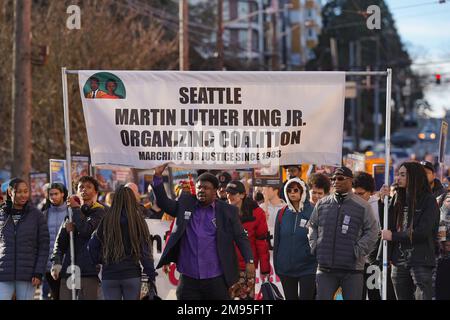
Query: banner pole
[386,176]
[69,176]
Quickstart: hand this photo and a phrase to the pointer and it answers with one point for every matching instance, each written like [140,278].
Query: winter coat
[422,241]
[126,268]
[341,235]
[84,227]
[23,247]
[292,253]
[257,230]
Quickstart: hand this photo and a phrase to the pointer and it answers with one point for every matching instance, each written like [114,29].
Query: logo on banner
[104,85]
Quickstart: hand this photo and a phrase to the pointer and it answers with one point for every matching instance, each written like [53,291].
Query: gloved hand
[56,269]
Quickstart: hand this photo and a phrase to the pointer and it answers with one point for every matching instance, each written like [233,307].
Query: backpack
[280,215]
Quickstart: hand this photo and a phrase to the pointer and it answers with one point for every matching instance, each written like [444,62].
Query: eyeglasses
[339,178]
[293,190]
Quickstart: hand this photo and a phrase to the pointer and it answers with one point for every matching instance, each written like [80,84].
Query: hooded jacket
[291,252]
[24,246]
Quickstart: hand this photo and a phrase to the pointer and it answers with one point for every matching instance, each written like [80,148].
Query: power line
[417,5]
[431,63]
[421,14]
[363,13]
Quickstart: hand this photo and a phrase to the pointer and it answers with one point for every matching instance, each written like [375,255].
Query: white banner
[165,283]
[225,120]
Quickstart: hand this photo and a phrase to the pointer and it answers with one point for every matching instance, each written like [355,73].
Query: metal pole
[351,47]
[386,176]
[376,93]
[366,73]
[357,119]
[69,174]
[220,49]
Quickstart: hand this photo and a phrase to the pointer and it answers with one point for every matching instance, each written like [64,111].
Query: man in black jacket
[202,240]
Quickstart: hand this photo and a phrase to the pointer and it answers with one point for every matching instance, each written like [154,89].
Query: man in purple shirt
[202,240]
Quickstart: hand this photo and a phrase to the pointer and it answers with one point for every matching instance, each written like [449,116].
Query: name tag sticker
[187,215]
[347,219]
[344,229]
[303,223]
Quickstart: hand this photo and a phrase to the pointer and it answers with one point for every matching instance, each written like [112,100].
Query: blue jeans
[126,289]
[24,290]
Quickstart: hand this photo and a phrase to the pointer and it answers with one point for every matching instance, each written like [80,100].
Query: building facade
[303,24]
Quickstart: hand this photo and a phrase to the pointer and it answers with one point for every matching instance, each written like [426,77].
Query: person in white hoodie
[293,261]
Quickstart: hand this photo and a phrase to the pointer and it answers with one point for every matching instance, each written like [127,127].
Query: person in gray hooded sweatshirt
[342,232]
[293,261]
[55,211]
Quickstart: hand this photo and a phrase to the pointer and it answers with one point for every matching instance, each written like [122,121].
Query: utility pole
[184,34]
[21,90]
[220,35]
[275,62]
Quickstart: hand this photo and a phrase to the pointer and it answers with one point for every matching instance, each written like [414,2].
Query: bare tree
[110,38]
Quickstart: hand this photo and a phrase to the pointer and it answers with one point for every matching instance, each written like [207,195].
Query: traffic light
[438,78]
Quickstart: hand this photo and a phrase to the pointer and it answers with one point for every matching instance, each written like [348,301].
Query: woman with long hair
[412,229]
[24,244]
[254,221]
[121,244]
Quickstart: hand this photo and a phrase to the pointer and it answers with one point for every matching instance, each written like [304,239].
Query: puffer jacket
[257,230]
[23,247]
[341,235]
[126,268]
[84,227]
[291,252]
